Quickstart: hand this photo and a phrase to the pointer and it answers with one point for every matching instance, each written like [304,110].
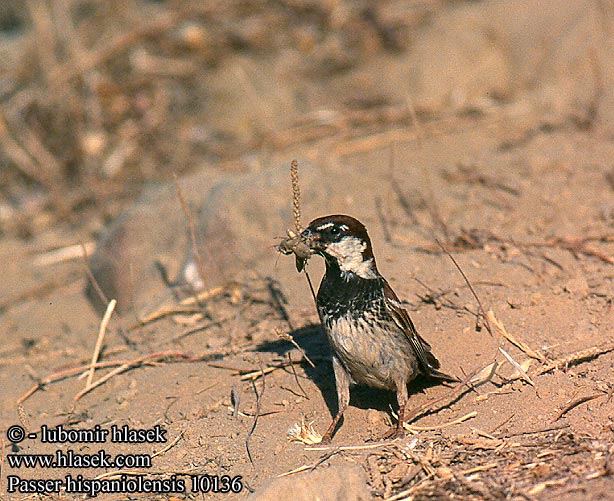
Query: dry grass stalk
[101,333]
[577,402]
[169,446]
[525,365]
[352,447]
[517,366]
[500,329]
[481,310]
[298,383]
[252,376]
[294,243]
[296,197]
[64,254]
[1,463]
[576,357]
[450,396]
[257,414]
[287,337]
[304,467]
[203,296]
[101,295]
[155,358]
[485,374]
[538,488]
[190,301]
[192,228]
[105,378]
[462,419]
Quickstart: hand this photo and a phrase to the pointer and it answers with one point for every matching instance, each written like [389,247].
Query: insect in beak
[299,245]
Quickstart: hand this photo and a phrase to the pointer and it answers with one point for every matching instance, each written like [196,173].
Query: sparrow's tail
[434,373]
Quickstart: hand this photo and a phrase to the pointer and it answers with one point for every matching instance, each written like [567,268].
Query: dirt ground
[486,126]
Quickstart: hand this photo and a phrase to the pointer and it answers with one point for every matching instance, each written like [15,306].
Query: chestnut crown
[343,241]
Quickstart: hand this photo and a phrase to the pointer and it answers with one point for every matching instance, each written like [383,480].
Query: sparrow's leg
[342,381]
[402,399]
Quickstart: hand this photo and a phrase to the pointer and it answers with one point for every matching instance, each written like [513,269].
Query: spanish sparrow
[372,338]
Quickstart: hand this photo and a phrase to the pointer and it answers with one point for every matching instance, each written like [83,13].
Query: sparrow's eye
[334,230]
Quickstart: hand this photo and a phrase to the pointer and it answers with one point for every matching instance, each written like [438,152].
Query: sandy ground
[503,155]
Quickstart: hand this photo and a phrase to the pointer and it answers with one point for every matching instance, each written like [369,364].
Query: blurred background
[99,96]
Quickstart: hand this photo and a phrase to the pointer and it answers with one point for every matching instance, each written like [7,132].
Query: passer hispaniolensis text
[372,338]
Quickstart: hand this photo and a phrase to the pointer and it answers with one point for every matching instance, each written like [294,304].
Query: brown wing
[426,360]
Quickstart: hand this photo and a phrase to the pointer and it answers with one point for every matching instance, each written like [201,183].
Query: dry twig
[575,404]
[475,295]
[287,337]
[257,414]
[169,446]
[576,357]
[64,254]
[101,333]
[517,366]
[192,228]
[182,307]
[462,419]
[298,383]
[512,339]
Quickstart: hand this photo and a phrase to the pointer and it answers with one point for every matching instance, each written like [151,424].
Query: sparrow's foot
[326,439]
[395,432]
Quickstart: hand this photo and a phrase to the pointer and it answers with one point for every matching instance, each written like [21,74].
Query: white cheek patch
[348,252]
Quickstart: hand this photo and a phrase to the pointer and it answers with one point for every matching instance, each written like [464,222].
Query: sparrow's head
[343,241]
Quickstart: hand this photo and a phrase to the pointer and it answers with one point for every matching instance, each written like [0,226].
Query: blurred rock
[238,222]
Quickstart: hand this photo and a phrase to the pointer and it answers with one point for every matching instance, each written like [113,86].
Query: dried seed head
[304,433]
[296,196]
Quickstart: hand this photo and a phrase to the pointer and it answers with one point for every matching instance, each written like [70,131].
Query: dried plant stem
[261,372]
[576,357]
[257,414]
[313,292]
[101,333]
[192,228]
[512,339]
[296,197]
[577,402]
[186,305]
[482,311]
[64,254]
[149,359]
[1,463]
[449,396]
[376,445]
[296,212]
[169,446]
[291,363]
[91,276]
[517,366]
[459,420]
[287,337]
